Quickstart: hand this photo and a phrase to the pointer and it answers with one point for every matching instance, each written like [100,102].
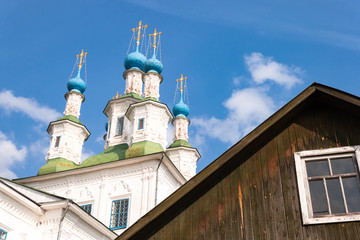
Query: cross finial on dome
[154,35]
[138,30]
[182,79]
[81,56]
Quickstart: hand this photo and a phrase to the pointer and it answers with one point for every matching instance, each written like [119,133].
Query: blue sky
[244,61]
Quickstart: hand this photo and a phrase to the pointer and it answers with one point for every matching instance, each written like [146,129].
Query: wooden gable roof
[165,211]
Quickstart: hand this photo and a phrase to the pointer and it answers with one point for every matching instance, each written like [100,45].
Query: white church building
[103,195]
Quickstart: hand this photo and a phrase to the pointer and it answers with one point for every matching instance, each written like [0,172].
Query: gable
[251,188]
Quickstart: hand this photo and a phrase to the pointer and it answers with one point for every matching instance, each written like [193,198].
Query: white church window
[119,126]
[3,234]
[141,123]
[87,208]
[109,130]
[57,141]
[119,213]
[328,182]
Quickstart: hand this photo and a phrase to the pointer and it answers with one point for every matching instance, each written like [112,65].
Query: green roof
[71,118]
[57,165]
[151,98]
[111,154]
[180,143]
[133,95]
[143,148]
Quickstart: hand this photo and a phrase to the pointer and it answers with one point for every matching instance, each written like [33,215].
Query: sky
[244,60]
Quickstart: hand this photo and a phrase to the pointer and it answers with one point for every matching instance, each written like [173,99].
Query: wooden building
[296,176]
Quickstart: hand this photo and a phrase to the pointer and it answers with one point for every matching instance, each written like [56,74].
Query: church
[102,196]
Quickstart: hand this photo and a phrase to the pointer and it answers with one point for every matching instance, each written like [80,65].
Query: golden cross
[81,55]
[117,96]
[181,79]
[154,35]
[138,29]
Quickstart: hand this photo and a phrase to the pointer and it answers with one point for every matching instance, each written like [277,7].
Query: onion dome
[106,126]
[135,60]
[153,65]
[76,84]
[181,109]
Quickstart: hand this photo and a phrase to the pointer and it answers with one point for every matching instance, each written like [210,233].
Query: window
[109,129]
[119,126]
[141,124]
[87,208]
[328,183]
[3,234]
[119,213]
[57,141]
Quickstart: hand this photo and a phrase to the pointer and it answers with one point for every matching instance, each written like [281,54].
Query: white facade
[133,79]
[114,110]
[145,181]
[156,117]
[152,85]
[27,214]
[73,103]
[67,139]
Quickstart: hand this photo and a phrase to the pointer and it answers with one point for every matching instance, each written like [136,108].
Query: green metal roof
[71,118]
[111,154]
[180,143]
[57,165]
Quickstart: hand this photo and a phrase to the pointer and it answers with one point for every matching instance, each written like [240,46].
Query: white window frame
[303,185]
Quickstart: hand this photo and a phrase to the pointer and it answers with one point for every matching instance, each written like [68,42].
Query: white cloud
[246,108]
[9,155]
[40,147]
[29,107]
[170,134]
[266,69]
[86,154]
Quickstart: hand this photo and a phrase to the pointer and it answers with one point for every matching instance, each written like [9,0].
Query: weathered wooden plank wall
[258,198]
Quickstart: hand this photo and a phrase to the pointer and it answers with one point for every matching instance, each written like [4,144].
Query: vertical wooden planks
[287,181]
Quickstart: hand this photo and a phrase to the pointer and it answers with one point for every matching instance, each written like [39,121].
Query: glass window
[141,123]
[57,141]
[3,234]
[329,178]
[119,126]
[109,130]
[119,213]
[87,208]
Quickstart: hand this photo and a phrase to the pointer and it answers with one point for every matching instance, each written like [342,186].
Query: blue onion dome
[106,126]
[181,109]
[76,84]
[135,60]
[153,65]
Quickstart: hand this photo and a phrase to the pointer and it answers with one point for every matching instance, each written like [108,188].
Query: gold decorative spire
[81,56]
[154,35]
[138,29]
[181,79]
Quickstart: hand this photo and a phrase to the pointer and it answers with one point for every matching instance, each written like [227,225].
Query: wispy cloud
[86,154]
[10,155]
[30,107]
[247,107]
[266,69]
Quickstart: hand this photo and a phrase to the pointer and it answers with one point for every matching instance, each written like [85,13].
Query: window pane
[87,208]
[342,165]
[317,168]
[119,211]
[119,126]
[335,195]
[318,197]
[352,193]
